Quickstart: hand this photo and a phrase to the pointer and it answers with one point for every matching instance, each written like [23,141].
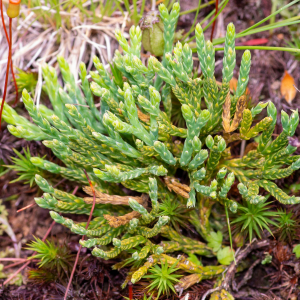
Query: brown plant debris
[143,117]
[179,188]
[121,220]
[111,199]
[226,113]
[240,106]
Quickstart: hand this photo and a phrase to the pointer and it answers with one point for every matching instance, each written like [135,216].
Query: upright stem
[11,64]
[229,231]
[86,227]
[7,70]
[214,23]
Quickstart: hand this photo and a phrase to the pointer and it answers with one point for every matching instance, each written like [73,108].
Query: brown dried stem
[179,188]
[111,199]
[121,220]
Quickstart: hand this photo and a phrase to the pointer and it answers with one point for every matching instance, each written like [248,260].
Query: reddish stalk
[7,70]
[14,264]
[33,204]
[11,64]
[12,259]
[130,290]
[29,261]
[28,206]
[214,23]
[15,83]
[86,227]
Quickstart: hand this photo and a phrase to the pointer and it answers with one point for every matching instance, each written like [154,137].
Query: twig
[28,206]
[210,292]
[248,275]
[232,268]
[12,259]
[86,227]
[14,264]
[33,204]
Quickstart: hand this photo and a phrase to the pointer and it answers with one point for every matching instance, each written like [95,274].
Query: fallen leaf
[233,84]
[287,89]
[253,42]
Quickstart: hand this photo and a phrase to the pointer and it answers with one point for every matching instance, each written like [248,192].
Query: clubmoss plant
[132,142]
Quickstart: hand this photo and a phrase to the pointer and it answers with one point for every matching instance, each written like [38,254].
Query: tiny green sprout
[267,259]
[25,168]
[287,225]
[26,80]
[252,219]
[177,212]
[162,278]
[52,256]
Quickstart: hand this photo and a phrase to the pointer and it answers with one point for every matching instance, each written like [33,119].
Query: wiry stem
[86,227]
[214,23]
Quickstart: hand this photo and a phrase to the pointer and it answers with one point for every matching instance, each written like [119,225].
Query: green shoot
[163,279]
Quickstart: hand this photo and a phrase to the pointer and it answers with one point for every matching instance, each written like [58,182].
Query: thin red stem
[12,259]
[11,64]
[214,23]
[33,204]
[86,227]
[7,70]
[24,208]
[130,290]
[15,83]
[13,265]
[3,23]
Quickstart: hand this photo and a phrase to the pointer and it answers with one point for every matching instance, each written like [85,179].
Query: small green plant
[295,43]
[252,219]
[296,250]
[225,256]
[25,169]
[52,256]
[42,275]
[215,240]
[177,212]
[26,80]
[162,278]
[268,259]
[287,225]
